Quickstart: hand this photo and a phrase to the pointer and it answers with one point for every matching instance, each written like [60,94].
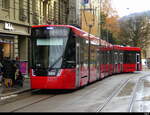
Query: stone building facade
[15,28]
[50,11]
[91,17]
[56,12]
[17,17]
[74,12]
[44,11]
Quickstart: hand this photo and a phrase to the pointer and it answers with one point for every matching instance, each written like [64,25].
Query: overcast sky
[125,7]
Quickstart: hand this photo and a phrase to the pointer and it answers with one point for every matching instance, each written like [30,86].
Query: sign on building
[8,26]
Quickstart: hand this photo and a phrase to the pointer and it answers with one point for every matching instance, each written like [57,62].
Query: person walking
[9,73]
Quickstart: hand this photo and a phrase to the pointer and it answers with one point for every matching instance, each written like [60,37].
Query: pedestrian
[9,73]
[17,62]
[19,78]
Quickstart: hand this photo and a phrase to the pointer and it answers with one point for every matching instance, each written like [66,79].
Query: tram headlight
[59,72]
[33,73]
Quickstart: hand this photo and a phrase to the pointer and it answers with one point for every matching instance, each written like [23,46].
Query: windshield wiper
[51,67]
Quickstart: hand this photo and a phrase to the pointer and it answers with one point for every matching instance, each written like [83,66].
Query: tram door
[78,62]
[116,62]
[138,61]
[121,61]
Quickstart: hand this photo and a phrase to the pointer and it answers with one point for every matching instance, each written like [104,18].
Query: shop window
[5,4]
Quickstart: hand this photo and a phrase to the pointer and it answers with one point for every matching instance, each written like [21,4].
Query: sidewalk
[15,90]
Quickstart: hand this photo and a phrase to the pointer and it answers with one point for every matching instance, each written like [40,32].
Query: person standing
[1,73]
[9,73]
[19,78]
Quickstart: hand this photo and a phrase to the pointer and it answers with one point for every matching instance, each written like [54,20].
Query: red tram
[65,57]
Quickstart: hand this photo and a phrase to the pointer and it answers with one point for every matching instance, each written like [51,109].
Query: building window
[35,10]
[45,10]
[22,11]
[55,12]
[5,4]
[21,4]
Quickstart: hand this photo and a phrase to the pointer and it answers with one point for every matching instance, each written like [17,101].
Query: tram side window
[100,57]
[83,52]
[116,57]
[93,55]
[108,59]
[111,57]
[104,57]
[70,53]
[121,58]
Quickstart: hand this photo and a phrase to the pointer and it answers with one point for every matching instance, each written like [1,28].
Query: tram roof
[126,48]
[94,39]
[80,33]
[132,48]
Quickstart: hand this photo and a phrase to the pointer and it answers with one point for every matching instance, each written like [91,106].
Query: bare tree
[135,31]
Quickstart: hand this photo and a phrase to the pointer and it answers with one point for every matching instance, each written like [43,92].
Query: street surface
[117,93]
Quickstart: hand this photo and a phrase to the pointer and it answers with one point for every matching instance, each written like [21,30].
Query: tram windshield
[48,46]
[130,57]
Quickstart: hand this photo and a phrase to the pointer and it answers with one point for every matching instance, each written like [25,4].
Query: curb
[15,92]
[26,88]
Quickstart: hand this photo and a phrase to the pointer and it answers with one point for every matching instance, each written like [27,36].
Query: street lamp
[100,2]
[90,26]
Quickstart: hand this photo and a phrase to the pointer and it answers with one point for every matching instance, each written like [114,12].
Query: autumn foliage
[109,22]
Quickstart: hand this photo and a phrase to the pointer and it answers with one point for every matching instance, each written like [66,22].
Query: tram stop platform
[16,89]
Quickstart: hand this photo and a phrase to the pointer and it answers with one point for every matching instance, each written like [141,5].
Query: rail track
[34,102]
[133,100]
[101,107]
[29,99]
[52,93]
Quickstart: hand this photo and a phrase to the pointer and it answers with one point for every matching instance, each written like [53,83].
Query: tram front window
[130,57]
[48,46]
